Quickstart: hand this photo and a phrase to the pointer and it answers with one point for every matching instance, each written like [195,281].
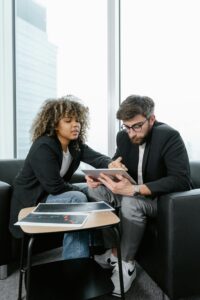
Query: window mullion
[113,71]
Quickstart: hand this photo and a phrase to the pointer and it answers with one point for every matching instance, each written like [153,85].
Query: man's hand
[92,182]
[121,187]
[117,164]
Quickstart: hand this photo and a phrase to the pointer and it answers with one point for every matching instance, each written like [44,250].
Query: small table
[74,279]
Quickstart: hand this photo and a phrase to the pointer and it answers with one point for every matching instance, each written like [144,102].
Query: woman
[58,135]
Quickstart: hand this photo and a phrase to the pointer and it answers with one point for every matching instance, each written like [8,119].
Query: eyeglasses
[136,127]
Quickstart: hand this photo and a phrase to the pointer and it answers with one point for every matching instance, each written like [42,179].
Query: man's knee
[97,194]
[131,209]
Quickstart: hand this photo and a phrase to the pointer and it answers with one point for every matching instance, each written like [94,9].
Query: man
[155,156]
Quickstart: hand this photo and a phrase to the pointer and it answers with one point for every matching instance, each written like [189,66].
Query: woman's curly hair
[53,110]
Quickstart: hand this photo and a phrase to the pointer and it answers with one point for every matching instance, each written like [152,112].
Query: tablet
[110,172]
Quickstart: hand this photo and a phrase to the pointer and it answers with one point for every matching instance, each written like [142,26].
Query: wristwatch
[136,190]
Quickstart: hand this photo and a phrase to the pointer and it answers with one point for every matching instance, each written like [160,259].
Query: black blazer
[40,175]
[165,163]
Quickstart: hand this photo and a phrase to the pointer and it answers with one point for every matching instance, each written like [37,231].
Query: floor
[143,288]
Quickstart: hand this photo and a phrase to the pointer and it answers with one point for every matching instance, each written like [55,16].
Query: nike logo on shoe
[130,273]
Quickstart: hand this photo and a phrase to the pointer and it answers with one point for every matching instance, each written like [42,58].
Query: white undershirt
[141,155]
[67,159]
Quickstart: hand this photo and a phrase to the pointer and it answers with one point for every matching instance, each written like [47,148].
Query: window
[61,48]
[160,59]
[6,80]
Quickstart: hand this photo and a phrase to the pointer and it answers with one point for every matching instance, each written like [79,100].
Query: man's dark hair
[135,105]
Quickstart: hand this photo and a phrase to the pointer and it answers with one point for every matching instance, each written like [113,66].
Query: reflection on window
[61,48]
[160,59]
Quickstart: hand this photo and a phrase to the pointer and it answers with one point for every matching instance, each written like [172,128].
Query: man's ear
[152,119]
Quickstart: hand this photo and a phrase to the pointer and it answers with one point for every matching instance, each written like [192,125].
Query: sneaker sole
[116,295]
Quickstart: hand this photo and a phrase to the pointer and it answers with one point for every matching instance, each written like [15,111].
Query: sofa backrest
[9,168]
[195,173]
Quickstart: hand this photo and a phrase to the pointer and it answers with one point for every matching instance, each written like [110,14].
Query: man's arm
[176,162]
[144,190]
[94,158]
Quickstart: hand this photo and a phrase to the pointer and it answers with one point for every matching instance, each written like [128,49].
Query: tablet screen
[110,172]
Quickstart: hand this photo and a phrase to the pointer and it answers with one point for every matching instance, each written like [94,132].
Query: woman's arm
[46,167]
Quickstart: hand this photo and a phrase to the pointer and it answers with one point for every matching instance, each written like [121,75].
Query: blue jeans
[75,244]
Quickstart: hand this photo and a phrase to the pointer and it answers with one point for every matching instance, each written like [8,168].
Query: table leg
[21,269]
[28,268]
[117,234]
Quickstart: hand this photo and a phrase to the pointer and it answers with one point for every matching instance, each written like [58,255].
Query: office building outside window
[36,59]
[61,48]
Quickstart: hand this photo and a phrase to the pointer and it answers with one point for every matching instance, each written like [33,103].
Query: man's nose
[132,133]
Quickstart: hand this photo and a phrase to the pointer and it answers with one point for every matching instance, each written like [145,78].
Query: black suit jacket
[165,162]
[40,175]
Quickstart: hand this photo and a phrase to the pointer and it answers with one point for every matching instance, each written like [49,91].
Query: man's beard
[138,141]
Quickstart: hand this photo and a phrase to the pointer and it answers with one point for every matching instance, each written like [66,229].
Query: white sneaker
[129,274]
[106,260]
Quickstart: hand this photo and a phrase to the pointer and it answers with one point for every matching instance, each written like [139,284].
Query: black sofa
[10,247]
[169,251]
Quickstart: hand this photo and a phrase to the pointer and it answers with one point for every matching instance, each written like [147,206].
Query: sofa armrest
[78,177]
[179,231]
[5,237]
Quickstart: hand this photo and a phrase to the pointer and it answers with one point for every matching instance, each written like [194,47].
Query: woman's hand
[117,164]
[91,182]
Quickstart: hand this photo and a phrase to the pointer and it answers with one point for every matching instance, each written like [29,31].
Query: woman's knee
[78,197]
[68,197]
